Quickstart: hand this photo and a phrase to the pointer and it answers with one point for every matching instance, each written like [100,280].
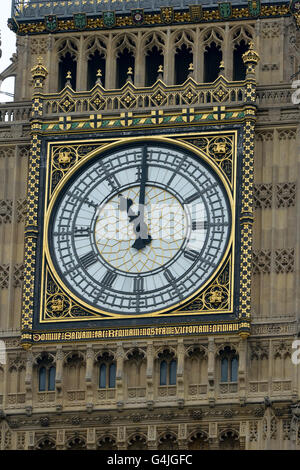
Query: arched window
[167,441]
[112,375]
[42,379]
[51,378]
[183,59]
[125,61]
[102,376]
[154,59]
[167,368]
[46,373]
[66,65]
[229,365]
[212,61]
[67,62]
[229,440]
[172,372]
[239,68]
[96,62]
[107,371]
[163,373]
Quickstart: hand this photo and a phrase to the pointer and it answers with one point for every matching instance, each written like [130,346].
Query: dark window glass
[172,372]
[112,375]
[212,61]
[153,60]
[51,379]
[224,370]
[102,382]
[67,64]
[234,369]
[183,59]
[124,61]
[239,68]
[42,379]
[96,62]
[163,373]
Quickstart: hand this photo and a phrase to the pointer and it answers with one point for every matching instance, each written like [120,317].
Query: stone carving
[262,196]
[5,211]
[270,29]
[4,276]
[18,275]
[261,262]
[284,260]
[285,194]
[21,210]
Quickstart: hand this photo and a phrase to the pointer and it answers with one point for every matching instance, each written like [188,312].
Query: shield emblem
[109,19]
[167,14]
[225,10]
[254,7]
[196,12]
[295,6]
[51,22]
[137,16]
[80,20]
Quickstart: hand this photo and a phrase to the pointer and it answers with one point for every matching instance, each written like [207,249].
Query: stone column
[28,383]
[213,436]
[121,438]
[119,374]
[152,437]
[180,369]
[59,366]
[198,58]
[59,377]
[149,372]
[182,436]
[242,369]
[89,377]
[81,82]
[91,439]
[211,369]
[227,54]
[139,65]
[60,439]
[169,61]
[110,70]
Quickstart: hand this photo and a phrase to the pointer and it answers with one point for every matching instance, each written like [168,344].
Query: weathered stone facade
[258,410]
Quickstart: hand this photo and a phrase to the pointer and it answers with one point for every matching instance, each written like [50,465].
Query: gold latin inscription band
[110,333]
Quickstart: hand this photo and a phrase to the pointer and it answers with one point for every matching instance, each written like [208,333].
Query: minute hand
[143,238]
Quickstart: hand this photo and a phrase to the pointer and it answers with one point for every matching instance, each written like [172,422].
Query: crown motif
[39,71]
[251,56]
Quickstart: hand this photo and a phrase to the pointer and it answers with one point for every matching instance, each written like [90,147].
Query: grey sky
[8,47]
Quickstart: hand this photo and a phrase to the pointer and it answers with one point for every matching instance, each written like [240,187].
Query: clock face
[140,230]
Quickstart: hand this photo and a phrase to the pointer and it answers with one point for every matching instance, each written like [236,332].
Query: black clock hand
[141,230]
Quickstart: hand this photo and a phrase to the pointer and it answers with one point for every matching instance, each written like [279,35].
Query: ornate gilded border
[167,16]
[63,306]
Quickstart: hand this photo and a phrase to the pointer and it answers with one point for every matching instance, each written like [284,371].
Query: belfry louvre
[169,322]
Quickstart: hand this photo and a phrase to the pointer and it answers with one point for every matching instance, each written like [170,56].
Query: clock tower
[150,266]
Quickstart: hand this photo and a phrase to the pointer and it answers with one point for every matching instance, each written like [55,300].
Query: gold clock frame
[175,310]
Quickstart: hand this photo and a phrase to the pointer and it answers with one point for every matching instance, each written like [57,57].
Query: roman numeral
[88,260]
[192,255]
[91,203]
[197,225]
[169,276]
[192,198]
[109,279]
[82,232]
[138,285]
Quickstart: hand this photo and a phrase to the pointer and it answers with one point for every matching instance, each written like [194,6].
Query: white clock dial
[139,230]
